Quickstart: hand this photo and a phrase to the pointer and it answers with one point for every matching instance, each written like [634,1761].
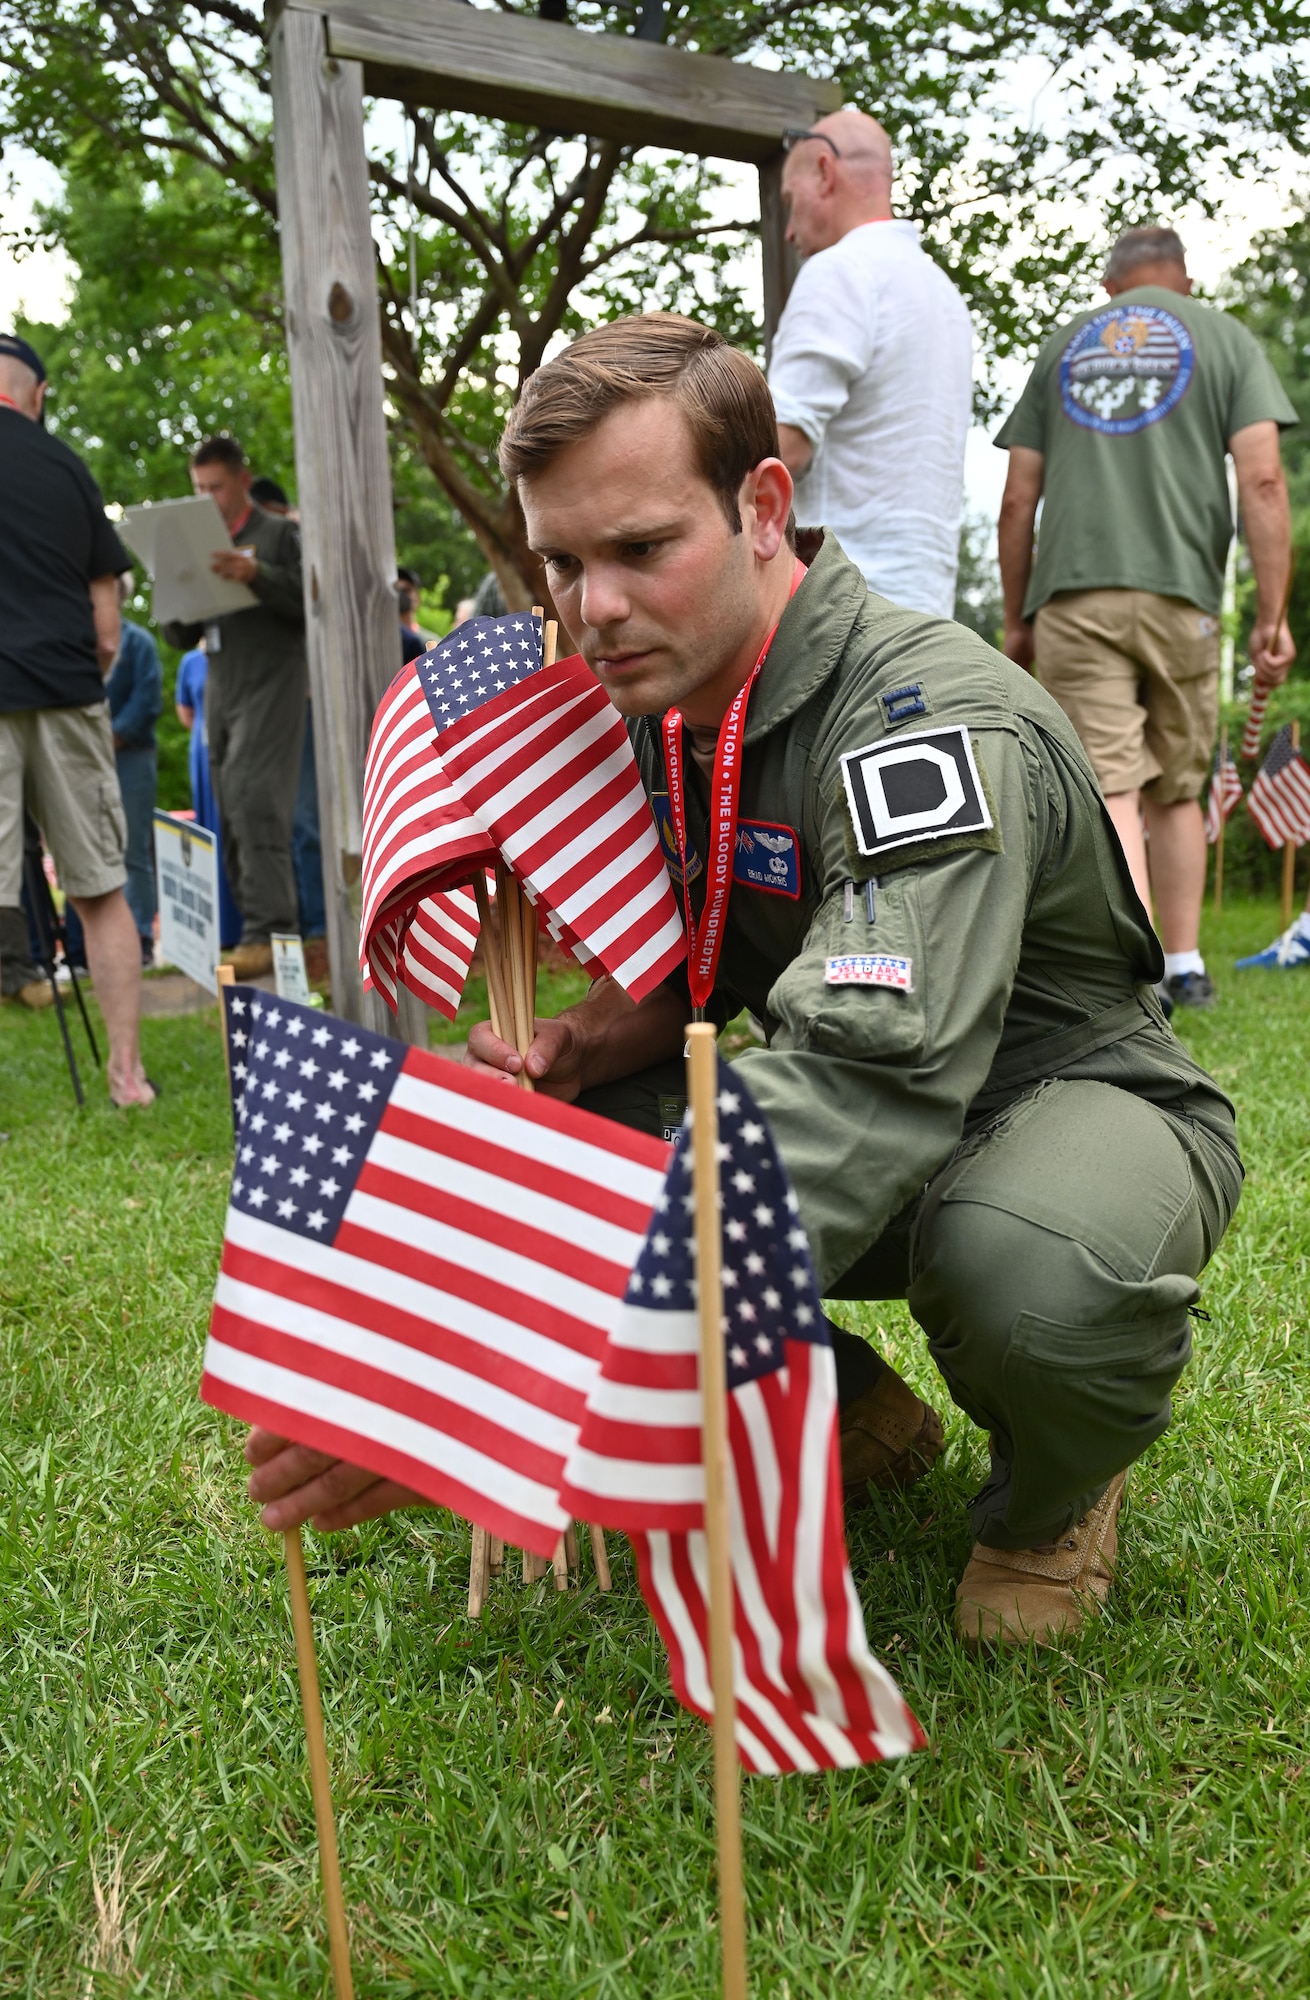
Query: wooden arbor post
[343,479]
[325,54]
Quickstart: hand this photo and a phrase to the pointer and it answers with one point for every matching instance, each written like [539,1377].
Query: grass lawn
[523,1810]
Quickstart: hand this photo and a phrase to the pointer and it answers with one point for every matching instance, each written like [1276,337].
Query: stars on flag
[768,1284]
[301,1141]
[481,659]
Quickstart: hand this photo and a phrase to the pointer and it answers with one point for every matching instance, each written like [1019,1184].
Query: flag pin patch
[922,786]
[870,968]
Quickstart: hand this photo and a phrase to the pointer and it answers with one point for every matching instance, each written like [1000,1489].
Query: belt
[1054,1052]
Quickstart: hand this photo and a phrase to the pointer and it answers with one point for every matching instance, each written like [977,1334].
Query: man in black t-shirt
[59,636]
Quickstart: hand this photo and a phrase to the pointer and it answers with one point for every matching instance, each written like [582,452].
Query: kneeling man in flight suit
[894,853]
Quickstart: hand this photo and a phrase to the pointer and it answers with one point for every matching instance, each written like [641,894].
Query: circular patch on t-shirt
[1125,369]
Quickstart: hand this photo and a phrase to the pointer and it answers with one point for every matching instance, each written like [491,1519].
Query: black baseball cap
[21,351]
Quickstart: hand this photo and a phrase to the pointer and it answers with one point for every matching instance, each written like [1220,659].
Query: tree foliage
[496,241]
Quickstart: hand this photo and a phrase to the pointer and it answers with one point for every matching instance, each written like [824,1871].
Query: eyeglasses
[793,135]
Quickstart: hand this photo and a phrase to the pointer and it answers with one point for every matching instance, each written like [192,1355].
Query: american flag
[541,763]
[810,1694]
[1279,800]
[418,837]
[1255,720]
[1225,795]
[420,1266]
[549,770]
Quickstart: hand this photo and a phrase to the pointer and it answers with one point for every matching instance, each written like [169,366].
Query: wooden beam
[342,476]
[461,58]
[780,260]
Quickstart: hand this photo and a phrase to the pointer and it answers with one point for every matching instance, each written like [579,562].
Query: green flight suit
[1009,1135]
[256,692]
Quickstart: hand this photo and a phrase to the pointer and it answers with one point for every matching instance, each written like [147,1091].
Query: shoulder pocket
[855,989]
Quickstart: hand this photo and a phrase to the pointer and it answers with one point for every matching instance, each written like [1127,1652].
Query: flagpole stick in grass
[310,1701]
[320,1783]
[702,1095]
[1289,851]
[1223,816]
[226,977]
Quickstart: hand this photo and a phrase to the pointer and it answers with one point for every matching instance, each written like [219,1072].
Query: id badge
[213,637]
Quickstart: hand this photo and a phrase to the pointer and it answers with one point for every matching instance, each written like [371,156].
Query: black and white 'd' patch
[909,788]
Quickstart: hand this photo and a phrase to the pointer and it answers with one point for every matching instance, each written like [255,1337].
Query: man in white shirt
[872,369]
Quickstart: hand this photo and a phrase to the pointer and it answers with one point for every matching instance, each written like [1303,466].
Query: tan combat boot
[889,1437]
[252,961]
[1013,1597]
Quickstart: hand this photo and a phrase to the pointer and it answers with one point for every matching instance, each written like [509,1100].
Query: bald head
[836,179]
[20,385]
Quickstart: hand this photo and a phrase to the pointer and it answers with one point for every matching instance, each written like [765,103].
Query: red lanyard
[10,404]
[705,941]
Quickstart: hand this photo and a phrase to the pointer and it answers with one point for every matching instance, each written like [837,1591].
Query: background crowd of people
[1113,596]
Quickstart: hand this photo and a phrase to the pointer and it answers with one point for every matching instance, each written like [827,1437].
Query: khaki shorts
[61,761]
[1138,677]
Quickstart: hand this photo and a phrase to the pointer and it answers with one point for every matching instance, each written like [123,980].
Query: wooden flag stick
[479,1571]
[310,1701]
[226,977]
[320,1783]
[1289,851]
[502,1020]
[702,1094]
[600,1556]
[1223,820]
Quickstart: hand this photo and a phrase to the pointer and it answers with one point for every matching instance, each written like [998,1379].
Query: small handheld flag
[420,1265]
[1279,800]
[1255,720]
[419,836]
[1225,793]
[809,1693]
[543,760]
[483,750]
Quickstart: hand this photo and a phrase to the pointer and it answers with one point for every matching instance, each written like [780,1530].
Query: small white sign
[289,975]
[186,869]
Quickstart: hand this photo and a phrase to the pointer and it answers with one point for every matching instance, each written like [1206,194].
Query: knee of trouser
[1031,1328]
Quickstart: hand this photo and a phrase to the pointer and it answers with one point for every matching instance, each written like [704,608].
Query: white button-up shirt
[873,361]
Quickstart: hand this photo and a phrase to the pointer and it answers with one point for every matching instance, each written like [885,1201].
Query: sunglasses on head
[793,135]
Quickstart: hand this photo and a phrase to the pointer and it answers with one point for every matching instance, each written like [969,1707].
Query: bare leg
[1125,809]
[1177,870]
[113,954]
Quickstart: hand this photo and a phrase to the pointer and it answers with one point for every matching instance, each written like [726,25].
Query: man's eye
[640,549]
[561,565]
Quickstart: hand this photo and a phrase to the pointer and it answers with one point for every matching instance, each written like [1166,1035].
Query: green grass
[523,1809]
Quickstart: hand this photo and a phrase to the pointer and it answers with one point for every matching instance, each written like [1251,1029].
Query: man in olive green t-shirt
[1122,432]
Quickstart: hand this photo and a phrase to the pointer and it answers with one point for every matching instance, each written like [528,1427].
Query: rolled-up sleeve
[825,342]
[866,1087]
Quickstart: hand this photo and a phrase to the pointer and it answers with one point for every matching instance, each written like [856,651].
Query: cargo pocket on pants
[1085,1401]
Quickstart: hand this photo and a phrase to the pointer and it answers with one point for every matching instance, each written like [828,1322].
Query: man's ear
[765,501]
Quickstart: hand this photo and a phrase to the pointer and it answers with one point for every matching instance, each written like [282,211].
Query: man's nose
[604,602]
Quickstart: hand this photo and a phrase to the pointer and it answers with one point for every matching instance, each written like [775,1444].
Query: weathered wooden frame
[455,57]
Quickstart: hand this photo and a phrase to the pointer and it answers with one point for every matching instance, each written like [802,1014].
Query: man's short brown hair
[220,450]
[720,391]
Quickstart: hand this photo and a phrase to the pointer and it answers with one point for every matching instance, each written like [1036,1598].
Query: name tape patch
[871,968]
[767,857]
[921,786]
